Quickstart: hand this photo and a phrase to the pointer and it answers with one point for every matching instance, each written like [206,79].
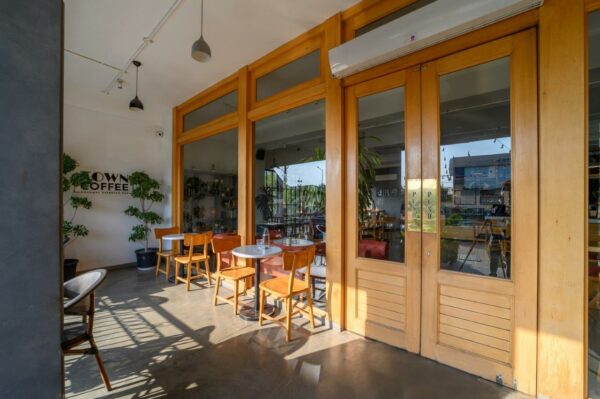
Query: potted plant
[71,231]
[145,189]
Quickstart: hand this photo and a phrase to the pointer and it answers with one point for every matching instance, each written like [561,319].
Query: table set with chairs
[292,287]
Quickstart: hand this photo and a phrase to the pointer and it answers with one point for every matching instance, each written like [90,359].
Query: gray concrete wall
[30,198]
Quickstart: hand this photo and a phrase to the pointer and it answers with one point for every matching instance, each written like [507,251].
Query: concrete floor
[158,340]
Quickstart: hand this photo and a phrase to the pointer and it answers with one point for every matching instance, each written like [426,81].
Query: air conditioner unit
[431,24]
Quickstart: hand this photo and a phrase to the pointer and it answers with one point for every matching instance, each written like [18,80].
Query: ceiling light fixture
[200,49]
[136,103]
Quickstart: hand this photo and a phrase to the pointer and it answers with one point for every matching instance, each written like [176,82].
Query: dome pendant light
[200,49]
[136,103]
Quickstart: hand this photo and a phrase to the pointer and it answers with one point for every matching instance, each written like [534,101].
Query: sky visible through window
[474,148]
[302,174]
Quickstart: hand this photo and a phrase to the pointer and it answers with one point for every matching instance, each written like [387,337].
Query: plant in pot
[72,179]
[145,189]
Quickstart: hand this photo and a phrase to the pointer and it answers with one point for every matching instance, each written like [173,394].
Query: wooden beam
[562,315]
[176,172]
[245,171]
[335,172]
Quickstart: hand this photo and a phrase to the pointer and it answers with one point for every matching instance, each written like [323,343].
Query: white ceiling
[238,31]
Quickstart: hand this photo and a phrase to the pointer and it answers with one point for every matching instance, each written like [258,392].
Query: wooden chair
[193,259]
[286,288]
[165,254]
[222,247]
[79,292]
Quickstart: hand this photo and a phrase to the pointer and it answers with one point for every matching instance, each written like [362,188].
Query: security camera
[160,133]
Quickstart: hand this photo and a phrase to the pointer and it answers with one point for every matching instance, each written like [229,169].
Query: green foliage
[368,161]
[145,189]
[72,180]
[455,219]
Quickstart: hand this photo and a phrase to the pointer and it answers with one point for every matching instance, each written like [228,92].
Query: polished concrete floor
[158,340]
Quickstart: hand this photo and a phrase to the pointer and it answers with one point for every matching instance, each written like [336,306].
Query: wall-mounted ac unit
[431,24]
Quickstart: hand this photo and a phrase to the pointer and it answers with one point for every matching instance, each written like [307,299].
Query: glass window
[475,170]
[298,71]
[381,175]
[289,170]
[393,16]
[221,106]
[210,184]
[594,206]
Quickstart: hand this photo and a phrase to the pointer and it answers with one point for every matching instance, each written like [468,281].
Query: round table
[257,253]
[293,243]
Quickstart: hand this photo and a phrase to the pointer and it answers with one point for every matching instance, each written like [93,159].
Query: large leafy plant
[145,189]
[368,162]
[72,179]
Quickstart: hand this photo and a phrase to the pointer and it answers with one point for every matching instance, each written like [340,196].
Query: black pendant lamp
[200,49]
[136,103]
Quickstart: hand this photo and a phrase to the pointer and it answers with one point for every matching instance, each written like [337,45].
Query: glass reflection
[210,184]
[298,71]
[475,170]
[221,106]
[381,175]
[290,173]
[594,206]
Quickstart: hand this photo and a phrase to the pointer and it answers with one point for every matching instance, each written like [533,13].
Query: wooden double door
[442,218]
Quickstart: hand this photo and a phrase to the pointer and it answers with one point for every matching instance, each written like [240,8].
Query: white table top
[254,252]
[173,237]
[295,242]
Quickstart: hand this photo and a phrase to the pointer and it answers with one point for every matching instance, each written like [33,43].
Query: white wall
[105,140]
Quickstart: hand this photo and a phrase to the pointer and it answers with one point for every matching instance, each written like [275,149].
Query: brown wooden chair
[286,288]
[222,247]
[192,258]
[79,292]
[166,254]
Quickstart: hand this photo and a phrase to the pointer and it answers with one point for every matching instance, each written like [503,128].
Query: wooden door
[383,254]
[480,214]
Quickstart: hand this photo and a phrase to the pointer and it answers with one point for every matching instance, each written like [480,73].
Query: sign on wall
[107,183]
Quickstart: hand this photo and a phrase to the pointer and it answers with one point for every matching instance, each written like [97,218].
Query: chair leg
[288,319]
[309,303]
[168,268]
[261,306]
[235,298]
[100,365]
[176,272]
[189,276]
[207,268]
[158,265]
[217,290]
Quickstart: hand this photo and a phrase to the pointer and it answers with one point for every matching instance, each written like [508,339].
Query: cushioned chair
[373,249]
[79,293]
[228,269]
[286,288]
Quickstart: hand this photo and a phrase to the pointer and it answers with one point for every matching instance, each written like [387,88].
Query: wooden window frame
[302,45]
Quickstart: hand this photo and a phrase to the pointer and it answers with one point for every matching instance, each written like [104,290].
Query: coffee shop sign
[107,183]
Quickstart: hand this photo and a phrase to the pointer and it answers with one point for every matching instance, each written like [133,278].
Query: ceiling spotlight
[120,83]
[136,103]
[200,49]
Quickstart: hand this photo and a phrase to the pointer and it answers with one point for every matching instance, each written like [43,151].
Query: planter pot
[69,268]
[146,260]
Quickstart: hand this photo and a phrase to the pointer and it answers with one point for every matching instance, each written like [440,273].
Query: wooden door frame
[410,269]
[521,47]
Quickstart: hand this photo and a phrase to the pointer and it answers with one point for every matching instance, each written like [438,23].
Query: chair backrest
[191,240]
[160,232]
[294,260]
[222,245]
[79,287]
[373,249]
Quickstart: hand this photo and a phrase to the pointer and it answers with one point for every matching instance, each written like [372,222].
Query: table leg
[251,313]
